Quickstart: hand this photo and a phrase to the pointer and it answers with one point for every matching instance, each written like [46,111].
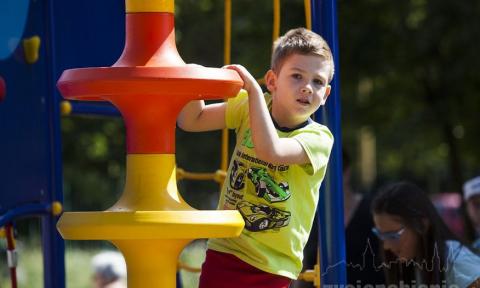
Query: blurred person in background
[361,245]
[109,270]
[418,248]
[471,194]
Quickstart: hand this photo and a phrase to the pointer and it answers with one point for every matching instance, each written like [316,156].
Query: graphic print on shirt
[266,187]
[247,139]
[262,217]
[250,176]
[237,175]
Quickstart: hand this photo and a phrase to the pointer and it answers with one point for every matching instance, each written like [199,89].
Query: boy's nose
[306,89]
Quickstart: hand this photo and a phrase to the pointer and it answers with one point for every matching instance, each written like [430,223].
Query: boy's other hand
[249,82]
[195,65]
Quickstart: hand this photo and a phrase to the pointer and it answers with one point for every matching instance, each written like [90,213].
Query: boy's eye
[318,82]
[296,76]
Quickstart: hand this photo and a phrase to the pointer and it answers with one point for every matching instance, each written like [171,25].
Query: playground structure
[149,85]
[147,212]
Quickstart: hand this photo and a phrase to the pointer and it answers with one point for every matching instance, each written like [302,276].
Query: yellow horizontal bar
[133,6]
[188,268]
[217,176]
[118,225]
[308,276]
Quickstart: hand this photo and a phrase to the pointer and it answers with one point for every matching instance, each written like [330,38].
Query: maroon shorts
[223,270]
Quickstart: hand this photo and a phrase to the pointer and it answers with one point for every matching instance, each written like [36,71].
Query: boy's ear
[271,80]
[327,93]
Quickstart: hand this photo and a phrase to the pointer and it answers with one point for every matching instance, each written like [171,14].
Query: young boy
[277,166]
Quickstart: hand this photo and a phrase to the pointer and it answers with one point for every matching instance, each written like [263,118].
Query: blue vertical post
[179,280]
[52,242]
[330,206]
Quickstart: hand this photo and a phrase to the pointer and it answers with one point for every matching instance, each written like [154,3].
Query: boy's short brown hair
[300,41]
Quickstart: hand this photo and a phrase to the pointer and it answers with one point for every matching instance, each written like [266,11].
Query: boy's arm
[197,117]
[268,146]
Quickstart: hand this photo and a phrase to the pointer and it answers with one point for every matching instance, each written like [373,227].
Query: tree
[408,72]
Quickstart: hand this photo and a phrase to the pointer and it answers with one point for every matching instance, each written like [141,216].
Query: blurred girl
[418,248]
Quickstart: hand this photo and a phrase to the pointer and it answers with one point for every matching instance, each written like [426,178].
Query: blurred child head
[108,267]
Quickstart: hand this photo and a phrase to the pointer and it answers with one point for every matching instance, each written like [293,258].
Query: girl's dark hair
[411,204]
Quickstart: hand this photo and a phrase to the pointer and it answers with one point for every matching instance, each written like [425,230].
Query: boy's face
[298,89]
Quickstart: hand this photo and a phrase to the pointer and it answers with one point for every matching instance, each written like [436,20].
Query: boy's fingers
[242,71]
[235,68]
[195,65]
[229,66]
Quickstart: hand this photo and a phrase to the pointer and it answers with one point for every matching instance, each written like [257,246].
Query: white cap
[109,265]
[471,188]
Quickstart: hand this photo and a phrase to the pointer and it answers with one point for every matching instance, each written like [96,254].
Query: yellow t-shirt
[277,202]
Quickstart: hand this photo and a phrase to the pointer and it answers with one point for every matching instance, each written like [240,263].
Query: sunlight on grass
[193,255]
[78,266]
[30,268]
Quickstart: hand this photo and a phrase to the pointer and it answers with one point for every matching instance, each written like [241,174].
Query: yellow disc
[110,225]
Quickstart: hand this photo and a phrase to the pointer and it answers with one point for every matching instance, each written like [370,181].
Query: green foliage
[93,162]
[408,73]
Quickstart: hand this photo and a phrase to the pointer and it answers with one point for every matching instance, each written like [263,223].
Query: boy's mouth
[303,101]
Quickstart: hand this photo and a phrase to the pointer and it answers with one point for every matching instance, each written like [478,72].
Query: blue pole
[179,280]
[52,242]
[100,109]
[25,210]
[330,206]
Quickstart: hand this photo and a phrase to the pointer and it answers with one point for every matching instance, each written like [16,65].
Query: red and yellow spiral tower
[149,84]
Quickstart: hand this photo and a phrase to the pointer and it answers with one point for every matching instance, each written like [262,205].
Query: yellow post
[151,184]
[150,223]
[151,263]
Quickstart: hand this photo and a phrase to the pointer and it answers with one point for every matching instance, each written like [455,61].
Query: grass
[78,269]
[193,255]
[30,267]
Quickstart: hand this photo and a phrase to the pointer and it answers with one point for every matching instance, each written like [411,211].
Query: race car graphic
[262,217]
[237,176]
[266,188]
